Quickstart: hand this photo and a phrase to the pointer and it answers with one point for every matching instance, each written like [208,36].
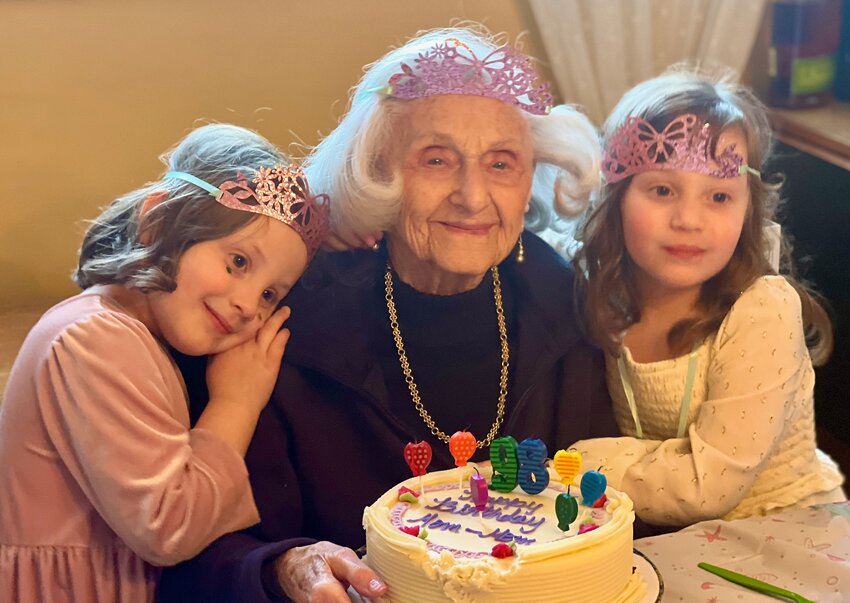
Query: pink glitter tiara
[453,68]
[281,192]
[683,145]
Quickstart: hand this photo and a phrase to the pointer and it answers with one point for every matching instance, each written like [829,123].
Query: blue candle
[532,476]
[593,485]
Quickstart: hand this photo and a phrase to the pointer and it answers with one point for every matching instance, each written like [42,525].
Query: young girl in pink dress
[709,349]
[102,479]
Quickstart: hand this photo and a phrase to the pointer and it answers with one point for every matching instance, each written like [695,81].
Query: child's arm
[114,408]
[760,371]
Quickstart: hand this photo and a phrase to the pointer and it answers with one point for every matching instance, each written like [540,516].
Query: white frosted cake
[452,557]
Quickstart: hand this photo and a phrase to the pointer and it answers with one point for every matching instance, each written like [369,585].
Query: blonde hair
[366,196]
[112,250]
[605,282]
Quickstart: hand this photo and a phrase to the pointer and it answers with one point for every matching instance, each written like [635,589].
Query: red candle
[418,457]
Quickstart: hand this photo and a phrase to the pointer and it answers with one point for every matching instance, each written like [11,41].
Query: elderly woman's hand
[321,573]
[337,242]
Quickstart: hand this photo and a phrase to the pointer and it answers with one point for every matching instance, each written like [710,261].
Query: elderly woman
[457,320]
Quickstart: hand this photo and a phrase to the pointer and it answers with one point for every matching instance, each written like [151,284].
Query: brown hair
[113,251]
[605,282]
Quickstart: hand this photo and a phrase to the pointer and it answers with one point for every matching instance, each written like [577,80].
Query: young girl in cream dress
[709,349]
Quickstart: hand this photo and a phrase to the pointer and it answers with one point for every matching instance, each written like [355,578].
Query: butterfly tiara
[451,67]
[683,145]
[280,192]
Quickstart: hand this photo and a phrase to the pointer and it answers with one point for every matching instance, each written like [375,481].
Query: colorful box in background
[802,56]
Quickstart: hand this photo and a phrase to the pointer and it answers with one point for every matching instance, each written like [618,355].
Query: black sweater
[331,439]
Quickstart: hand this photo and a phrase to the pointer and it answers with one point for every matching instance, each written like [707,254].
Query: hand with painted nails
[240,382]
[322,573]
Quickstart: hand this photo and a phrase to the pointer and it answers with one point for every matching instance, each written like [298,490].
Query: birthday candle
[462,446]
[593,485]
[478,490]
[566,509]
[532,475]
[568,464]
[418,457]
[503,457]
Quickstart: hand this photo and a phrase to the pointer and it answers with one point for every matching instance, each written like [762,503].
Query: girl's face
[227,288]
[681,228]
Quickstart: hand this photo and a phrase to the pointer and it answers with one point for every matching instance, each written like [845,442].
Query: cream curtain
[598,49]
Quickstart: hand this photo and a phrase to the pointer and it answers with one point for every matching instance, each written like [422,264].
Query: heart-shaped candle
[567,464]
[418,456]
[462,445]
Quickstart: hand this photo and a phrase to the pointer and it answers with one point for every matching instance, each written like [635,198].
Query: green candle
[566,508]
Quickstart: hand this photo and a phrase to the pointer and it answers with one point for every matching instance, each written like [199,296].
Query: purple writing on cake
[433,522]
[498,508]
[500,535]
[504,501]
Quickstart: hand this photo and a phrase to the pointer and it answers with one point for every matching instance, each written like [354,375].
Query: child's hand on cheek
[245,375]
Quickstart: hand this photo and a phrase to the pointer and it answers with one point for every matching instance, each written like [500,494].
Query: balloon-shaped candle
[566,509]
[593,485]
[567,464]
[418,457]
[462,446]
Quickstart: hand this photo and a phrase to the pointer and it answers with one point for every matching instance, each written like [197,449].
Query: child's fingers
[278,345]
[267,332]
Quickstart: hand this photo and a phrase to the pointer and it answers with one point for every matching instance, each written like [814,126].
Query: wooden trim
[823,132]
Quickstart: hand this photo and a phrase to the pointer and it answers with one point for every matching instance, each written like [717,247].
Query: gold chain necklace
[408,374]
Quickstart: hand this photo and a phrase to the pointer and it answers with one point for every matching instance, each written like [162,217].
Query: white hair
[366,196]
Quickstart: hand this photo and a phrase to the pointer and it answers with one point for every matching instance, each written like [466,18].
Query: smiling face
[681,228]
[467,166]
[227,288]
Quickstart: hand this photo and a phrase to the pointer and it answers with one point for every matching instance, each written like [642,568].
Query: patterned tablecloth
[803,550]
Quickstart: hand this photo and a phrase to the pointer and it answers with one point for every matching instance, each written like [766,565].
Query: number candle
[503,457]
[532,475]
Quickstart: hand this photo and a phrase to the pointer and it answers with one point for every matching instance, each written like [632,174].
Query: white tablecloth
[803,550]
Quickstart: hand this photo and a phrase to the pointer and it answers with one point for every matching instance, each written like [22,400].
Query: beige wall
[92,91]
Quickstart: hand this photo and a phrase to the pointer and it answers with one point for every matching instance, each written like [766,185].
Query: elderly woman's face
[467,166]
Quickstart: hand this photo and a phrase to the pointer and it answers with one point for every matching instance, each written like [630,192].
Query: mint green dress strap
[630,396]
[684,407]
[689,391]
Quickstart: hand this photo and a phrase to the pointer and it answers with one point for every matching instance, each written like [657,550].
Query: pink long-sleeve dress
[101,478]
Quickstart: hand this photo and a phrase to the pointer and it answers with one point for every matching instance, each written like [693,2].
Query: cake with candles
[515,530]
